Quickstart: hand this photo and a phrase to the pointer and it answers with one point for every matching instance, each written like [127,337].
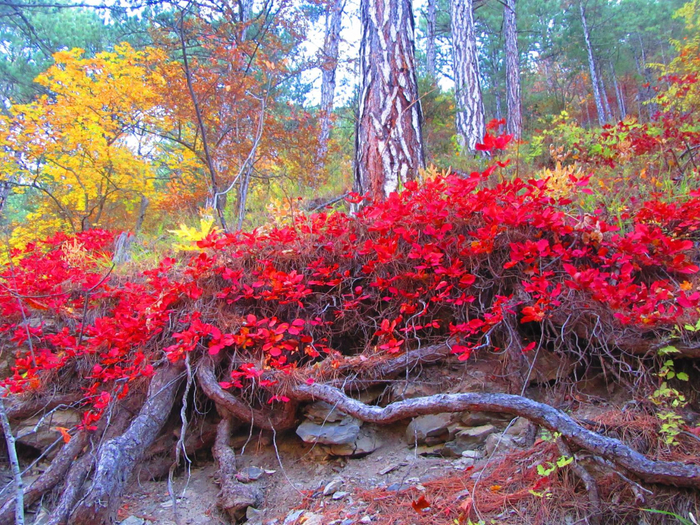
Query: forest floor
[398,483]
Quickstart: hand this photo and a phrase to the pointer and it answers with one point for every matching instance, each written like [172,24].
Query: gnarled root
[117,458]
[663,472]
[234,497]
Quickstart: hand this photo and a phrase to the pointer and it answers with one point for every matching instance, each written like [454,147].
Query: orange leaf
[420,504]
[64,433]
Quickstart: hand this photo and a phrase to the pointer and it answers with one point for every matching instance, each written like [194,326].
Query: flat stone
[342,433]
[293,516]
[477,419]
[333,486]
[429,430]
[253,514]
[322,412]
[311,518]
[45,434]
[133,520]
[500,443]
[339,495]
[366,443]
[249,474]
[473,437]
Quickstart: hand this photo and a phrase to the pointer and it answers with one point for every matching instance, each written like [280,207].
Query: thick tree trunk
[389,146]
[431,50]
[592,67]
[118,457]
[470,107]
[514,120]
[328,69]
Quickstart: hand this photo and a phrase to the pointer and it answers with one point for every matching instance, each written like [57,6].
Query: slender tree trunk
[592,66]
[470,106]
[621,106]
[604,97]
[514,121]
[431,50]
[647,92]
[389,147]
[330,63]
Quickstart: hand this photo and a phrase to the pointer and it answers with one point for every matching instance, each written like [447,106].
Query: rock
[410,390]
[249,474]
[366,443]
[366,519]
[133,520]
[293,517]
[473,437]
[501,443]
[339,495]
[45,434]
[311,518]
[429,430]
[477,419]
[253,514]
[473,454]
[322,412]
[519,429]
[341,433]
[333,486]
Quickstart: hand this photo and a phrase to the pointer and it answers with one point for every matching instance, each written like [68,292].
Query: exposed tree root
[234,497]
[72,490]
[663,472]
[42,404]
[117,458]
[51,477]
[279,420]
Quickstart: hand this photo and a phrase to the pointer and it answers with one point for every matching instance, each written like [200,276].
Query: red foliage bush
[448,258]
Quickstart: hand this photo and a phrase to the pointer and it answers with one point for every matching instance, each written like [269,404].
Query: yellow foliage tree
[683,92]
[83,149]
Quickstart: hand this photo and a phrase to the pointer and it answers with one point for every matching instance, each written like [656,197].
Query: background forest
[220,218]
[144,117]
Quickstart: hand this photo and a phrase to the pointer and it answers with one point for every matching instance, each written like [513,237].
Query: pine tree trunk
[514,121]
[389,147]
[431,50]
[330,63]
[592,66]
[470,106]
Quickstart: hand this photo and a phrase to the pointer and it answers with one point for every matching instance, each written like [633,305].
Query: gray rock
[293,516]
[341,433]
[519,429]
[473,437]
[249,474]
[311,518]
[366,443]
[41,433]
[500,443]
[477,419]
[333,486]
[253,514]
[322,412]
[339,495]
[429,430]
[133,520]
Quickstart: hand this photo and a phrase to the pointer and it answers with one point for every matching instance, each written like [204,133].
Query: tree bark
[514,120]
[431,50]
[621,106]
[592,66]
[328,71]
[389,146]
[118,457]
[604,96]
[664,472]
[470,106]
